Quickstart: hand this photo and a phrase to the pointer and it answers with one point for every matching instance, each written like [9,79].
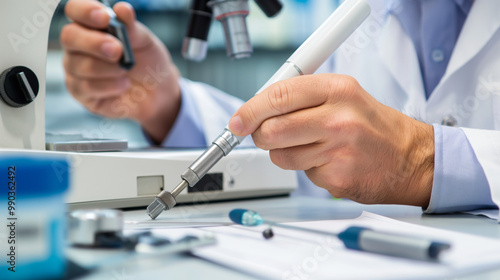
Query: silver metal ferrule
[226,141]
[220,147]
[296,67]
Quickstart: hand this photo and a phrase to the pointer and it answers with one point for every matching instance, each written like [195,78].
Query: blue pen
[359,238]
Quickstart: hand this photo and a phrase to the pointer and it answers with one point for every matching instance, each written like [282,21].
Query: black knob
[18,86]
[269,7]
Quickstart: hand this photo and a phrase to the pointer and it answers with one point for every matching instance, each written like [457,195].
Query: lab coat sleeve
[486,145]
[460,183]
[204,113]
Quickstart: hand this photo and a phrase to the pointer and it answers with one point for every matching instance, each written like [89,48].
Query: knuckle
[345,123]
[84,86]
[348,82]
[336,184]
[67,33]
[267,135]
[94,107]
[343,86]
[86,67]
[279,97]
[70,65]
[281,158]
[72,85]
[249,114]
[257,140]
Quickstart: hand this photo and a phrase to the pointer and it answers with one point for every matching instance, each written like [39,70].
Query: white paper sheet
[297,255]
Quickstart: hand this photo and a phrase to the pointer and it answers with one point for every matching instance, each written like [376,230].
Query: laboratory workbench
[284,209]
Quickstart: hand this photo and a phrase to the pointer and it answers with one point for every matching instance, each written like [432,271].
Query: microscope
[23,55]
[111,179]
[232,14]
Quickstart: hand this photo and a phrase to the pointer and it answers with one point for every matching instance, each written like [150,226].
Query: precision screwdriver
[360,238]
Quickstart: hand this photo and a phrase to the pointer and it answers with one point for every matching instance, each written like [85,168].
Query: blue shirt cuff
[459,180]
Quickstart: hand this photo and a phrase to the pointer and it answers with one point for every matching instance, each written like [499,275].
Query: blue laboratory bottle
[32,214]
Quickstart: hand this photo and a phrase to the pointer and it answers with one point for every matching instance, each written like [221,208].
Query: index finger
[280,98]
[92,14]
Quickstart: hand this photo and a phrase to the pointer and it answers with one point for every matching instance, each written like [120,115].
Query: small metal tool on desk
[305,60]
[103,228]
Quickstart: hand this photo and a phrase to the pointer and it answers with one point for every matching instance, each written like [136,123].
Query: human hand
[346,141]
[149,93]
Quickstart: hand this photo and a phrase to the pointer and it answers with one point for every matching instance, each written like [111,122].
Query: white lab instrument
[25,28]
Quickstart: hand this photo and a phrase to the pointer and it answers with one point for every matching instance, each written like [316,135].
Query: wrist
[421,157]
[166,108]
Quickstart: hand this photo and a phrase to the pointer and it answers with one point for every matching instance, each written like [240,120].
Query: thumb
[278,99]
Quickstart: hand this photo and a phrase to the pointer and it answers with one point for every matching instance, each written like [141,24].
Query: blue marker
[359,238]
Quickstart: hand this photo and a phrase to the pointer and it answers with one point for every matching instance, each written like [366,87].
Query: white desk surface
[275,209]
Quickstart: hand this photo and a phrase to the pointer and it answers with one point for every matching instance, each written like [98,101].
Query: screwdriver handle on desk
[365,239]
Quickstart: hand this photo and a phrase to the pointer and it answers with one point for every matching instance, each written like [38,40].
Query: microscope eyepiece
[232,14]
[194,46]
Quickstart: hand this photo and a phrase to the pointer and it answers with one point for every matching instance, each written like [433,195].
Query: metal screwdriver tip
[155,208]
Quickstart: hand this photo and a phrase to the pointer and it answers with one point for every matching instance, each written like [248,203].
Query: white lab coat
[382,58]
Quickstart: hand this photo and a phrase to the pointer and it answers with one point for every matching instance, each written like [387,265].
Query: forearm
[160,113]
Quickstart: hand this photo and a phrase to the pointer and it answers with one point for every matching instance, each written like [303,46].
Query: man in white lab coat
[437,62]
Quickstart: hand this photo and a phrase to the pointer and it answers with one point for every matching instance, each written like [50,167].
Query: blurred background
[273,40]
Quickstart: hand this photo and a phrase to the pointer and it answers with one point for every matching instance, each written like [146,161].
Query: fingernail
[109,49]
[235,124]
[98,16]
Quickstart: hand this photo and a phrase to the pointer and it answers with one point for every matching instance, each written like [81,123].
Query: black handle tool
[118,29]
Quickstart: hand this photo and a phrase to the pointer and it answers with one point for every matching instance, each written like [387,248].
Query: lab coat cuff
[459,181]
